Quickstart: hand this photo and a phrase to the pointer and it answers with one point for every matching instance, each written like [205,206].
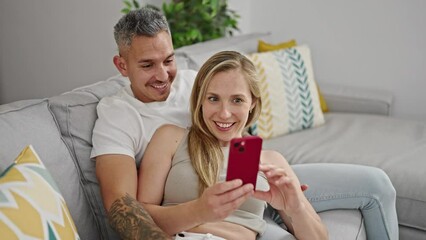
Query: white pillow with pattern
[290,100]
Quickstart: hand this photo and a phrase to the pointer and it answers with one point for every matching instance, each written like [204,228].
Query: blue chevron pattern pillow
[289,93]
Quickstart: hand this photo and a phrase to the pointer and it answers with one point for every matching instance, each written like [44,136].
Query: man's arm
[117,176]
[131,221]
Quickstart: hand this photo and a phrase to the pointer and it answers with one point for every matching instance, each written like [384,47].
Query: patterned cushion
[265,47]
[289,92]
[31,206]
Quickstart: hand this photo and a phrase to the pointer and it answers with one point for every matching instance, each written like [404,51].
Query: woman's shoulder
[167,138]
[170,130]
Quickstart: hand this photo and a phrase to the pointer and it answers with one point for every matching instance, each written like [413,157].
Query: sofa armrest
[356,100]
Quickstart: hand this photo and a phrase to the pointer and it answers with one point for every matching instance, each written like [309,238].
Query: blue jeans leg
[348,186]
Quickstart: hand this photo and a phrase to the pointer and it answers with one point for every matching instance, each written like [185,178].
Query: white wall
[51,46]
[377,44]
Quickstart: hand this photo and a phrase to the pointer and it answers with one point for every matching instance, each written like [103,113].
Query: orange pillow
[265,47]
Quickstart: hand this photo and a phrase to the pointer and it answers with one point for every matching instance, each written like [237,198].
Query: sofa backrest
[30,122]
[75,113]
[193,56]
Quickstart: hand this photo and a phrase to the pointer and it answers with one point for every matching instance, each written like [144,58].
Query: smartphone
[243,159]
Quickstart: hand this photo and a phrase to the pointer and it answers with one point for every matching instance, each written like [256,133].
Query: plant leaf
[136,4]
[128,4]
[125,10]
[192,21]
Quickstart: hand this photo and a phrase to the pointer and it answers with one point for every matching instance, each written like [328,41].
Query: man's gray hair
[141,22]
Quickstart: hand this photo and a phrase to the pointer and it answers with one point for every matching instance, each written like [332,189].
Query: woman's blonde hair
[204,149]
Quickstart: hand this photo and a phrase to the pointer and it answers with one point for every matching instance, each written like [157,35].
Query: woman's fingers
[268,168]
[223,198]
[231,190]
[232,200]
[223,187]
[277,176]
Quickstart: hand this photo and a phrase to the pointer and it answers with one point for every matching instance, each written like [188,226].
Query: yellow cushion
[265,47]
[290,100]
[323,103]
[31,206]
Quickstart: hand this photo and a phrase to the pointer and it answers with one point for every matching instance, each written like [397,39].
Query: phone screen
[243,159]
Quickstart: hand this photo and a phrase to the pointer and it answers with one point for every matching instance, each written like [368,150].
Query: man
[159,94]
[120,135]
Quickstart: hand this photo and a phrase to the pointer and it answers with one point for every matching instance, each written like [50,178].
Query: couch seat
[397,146]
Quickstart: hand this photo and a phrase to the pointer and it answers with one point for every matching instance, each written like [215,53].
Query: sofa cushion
[397,146]
[263,46]
[199,53]
[344,224]
[75,112]
[29,194]
[30,122]
[357,99]
[266,47]
[290,100]
[181,60]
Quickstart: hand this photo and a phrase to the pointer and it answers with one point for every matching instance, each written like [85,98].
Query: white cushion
[290,100]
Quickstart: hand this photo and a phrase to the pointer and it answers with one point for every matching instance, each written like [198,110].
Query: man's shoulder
[120,101]
[120,97]
[115,112]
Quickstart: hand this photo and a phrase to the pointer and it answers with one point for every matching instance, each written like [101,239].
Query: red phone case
[243,160]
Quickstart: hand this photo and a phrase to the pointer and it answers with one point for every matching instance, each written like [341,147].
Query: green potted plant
[193,21]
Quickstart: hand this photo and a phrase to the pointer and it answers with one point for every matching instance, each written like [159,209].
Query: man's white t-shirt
[125,125]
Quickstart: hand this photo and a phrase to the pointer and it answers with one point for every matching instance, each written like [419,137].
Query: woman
[181,178]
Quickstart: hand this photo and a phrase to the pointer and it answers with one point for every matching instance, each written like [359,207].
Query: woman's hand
[221,199]
[285,192]
[286,195]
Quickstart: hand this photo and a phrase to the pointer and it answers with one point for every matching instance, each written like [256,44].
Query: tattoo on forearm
[131,221]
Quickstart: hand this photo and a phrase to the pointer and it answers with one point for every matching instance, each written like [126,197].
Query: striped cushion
[31,206]
[289,92]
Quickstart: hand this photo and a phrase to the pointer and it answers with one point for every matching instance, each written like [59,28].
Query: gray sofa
[60,128]
[358,130]
[355,133]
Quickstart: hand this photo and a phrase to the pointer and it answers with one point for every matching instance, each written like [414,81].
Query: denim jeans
[347,186]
